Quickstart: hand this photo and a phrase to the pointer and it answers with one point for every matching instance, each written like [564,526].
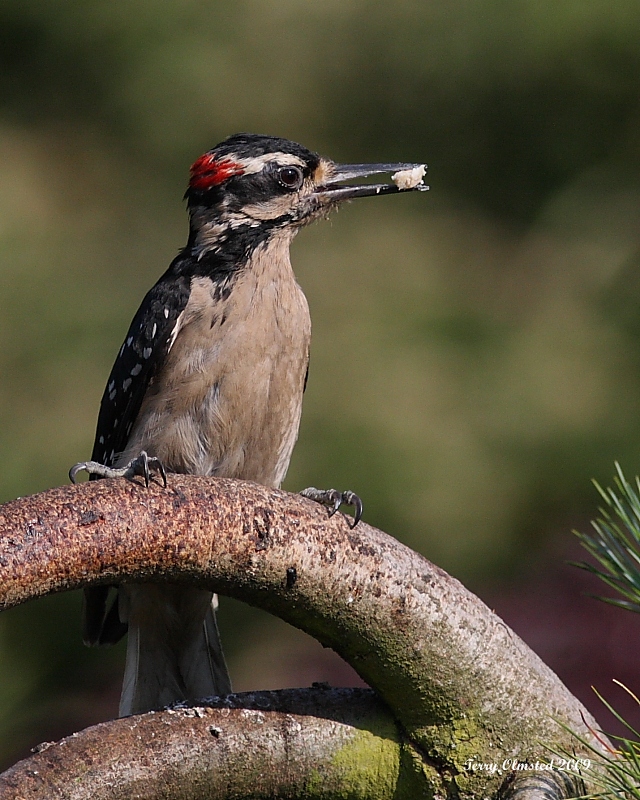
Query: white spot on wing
[101,440]
[166,313]
[175,332]
[130,341]
[147,352]
[111,385]
[136,370]
[154,331]
[112,395]
[126,384]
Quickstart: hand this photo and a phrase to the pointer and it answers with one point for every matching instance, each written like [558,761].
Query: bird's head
[263,183]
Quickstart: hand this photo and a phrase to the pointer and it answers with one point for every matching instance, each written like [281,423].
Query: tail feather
[174,651]
[202,664]
[130,680]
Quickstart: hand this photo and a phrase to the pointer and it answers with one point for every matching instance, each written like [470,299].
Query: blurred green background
[476,350]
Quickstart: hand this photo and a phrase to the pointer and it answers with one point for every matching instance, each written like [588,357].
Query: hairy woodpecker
[209,381]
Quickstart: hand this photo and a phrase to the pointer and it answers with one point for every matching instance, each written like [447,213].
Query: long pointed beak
[404,177]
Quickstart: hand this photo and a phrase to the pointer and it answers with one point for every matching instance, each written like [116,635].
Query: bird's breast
[228,398]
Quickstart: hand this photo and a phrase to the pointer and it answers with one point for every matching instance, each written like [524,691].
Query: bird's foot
[333,499]
[143,465]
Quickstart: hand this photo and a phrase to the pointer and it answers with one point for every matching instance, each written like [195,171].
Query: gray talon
[75,469]
[333,499]
[352,499]
[143,465]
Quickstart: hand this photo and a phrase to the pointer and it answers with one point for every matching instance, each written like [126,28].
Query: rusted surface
[264,744]
[451,671]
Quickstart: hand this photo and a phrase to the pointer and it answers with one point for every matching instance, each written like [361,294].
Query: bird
[209,381]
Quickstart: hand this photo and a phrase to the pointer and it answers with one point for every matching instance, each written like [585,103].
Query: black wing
[141,356]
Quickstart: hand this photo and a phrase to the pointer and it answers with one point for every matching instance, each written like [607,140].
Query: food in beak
[409,178]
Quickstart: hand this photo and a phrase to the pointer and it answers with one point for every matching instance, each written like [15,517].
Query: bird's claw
[333,499]
[143,465]
[350,498]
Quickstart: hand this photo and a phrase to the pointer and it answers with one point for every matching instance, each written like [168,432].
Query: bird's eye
[290,177]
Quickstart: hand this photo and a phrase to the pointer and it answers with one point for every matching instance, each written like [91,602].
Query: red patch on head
[208,172]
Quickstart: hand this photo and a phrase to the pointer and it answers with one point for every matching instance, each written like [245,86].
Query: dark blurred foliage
[476,353]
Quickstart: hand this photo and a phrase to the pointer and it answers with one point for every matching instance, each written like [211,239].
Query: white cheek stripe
[257,164]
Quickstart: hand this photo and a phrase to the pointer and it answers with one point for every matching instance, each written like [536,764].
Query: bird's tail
[174,651]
